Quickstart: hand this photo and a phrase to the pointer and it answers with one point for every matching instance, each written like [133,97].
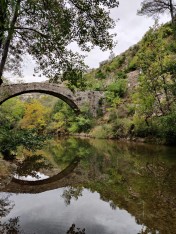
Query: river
[90,186]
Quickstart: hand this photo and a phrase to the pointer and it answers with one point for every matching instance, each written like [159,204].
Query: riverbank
[149,140]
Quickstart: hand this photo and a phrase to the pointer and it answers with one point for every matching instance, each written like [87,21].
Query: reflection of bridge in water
[74,99]
[67,177]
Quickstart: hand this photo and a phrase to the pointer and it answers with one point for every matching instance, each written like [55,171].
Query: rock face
[132,78]
[75,100]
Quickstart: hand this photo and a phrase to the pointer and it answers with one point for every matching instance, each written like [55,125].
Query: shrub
[167,30]
[100,75]
[81,124]
[133,64]
[115,64]
[102,132]
[121,75]
[167,128]
[142,129]
[108,69]
[118,88]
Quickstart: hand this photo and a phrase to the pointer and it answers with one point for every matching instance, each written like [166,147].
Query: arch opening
[9,91]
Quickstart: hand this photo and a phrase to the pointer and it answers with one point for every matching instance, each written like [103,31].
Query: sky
[130,28]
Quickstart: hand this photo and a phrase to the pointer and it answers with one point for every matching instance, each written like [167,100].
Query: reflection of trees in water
[145,188]
[74,230]
[12,225]
[142,184]
[64,151]
[5,206]
[134,179]
[31,165]
[71,193]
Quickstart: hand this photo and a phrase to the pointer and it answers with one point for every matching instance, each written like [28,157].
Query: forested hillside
[140,88]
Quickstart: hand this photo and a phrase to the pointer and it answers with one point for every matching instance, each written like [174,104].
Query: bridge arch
[13,90]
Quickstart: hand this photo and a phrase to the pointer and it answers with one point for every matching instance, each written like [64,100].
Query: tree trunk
[171,10]
[3,10]
[8,39]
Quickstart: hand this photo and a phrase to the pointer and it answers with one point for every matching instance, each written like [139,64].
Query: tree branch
[31,29]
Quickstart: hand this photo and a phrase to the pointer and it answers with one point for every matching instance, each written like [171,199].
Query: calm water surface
[91,186]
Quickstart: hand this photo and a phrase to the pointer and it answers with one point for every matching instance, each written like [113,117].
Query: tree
[35,116]
[155,7]
[11,139]
[11,112]
[45,28]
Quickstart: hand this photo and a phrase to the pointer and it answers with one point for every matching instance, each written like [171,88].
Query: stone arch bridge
[74,99]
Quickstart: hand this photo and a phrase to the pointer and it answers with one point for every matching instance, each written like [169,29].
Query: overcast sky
[130,28]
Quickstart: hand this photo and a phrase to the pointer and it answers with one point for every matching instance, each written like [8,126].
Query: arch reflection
[59,180]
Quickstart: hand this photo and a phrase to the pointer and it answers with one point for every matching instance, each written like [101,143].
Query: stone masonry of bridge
[75,100]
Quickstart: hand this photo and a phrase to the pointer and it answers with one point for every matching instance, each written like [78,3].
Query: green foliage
[60,117]
[112,99]
[119,126]
[98,86]
[133,64]
[115,64]
[118,87]
[35,116]
[64,120]
[11,139]
[143,99]
[74,78]
[11,112]
[102,132]
[64,151]
[100,75]
[59,23]
[167,30]
[142,129]
[156,82]
[167,128]
[115,91]
[120,75]
[131,109]
[68,194]
[80,124]
[147,110]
